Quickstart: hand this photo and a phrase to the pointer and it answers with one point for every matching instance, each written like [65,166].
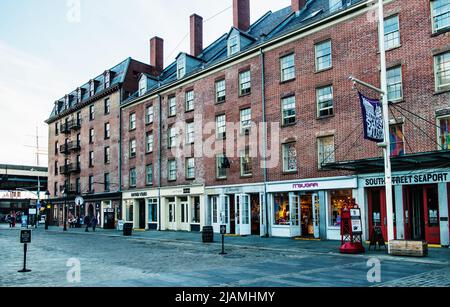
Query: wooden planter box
[408,248]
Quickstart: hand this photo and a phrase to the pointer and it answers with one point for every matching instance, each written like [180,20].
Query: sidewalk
[436,255]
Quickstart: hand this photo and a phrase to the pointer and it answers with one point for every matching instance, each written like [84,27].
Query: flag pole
[387,143]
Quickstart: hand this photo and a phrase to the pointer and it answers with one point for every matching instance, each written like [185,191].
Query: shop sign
[32,211]
[315,185]
[187,191]
[139,194]
[409,179]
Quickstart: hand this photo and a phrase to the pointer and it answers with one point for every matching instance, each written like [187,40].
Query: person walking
[94,223]
[9,219]
[13,220]
[87,221]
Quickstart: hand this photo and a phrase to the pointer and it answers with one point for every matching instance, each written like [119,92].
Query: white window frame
[287,67]
[172,137]
[133,178]
[221,93]
[288,104]
[322,149]
[189,101]
[437,71]
[221,126]
[142,86]
[320,101]
[391,84]
[172,106]
[439,134]
[433,17]
[219,159]
[392,36]
[190,168]
[245,82]
[181,66]
[172,170]
[190,133]
[148,170]
[242,156]
[319,55]
[285,156]
[133,149]
[149,114]
[132,121]
[245,120]
[149,142]
[234,44]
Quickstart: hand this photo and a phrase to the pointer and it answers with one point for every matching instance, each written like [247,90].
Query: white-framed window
[79,95]
[189,101]
[133,148]
[91,112]
[440,12]
[152,210]
[149,114]
[107,155]
[220,91]
[442,71]
[190,133]
[246,163]
[107,182]
[91,159]
[107,79]
[245,83]
[190,168]
[91,135]
[394,83]
[325,103]
[325,149]
[233,44]
[172,106]
[443,132]
[221,172]
[91,184]
[391,32]
[246,120]
[149,174]
[287,66]
[323,55]
[107,106]
[107,130]
[143,86]
[288,110]
[221,126]
[181,66]
[132,182]
[172,170]
[289,157]
[149,142]
[172,137]
[92,88]
[132,121]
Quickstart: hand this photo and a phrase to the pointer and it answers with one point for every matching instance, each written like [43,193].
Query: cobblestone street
[180,259]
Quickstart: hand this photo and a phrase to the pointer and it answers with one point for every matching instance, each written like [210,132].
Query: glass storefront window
[196,210]
[281,209]
[153,210]
[337,201]
[129,213]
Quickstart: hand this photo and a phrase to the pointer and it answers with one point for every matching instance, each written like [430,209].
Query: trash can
[127,229]
[208,234]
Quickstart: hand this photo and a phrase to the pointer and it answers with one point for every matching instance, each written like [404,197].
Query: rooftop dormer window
[143,85]
[181,66]
[233,44]
[66,102]
[335,5]
[107,79]
[91,88]
[79,95]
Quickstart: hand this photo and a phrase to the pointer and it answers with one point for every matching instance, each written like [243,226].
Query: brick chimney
[241,14]
[157,53]
[196,35]
[297,5]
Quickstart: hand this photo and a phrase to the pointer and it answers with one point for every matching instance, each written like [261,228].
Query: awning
[434,159]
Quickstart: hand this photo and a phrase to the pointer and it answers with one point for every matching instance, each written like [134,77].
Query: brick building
[84,137]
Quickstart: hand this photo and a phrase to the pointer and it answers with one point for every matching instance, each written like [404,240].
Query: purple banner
[372,112]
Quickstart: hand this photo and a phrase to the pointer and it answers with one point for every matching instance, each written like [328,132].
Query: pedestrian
[13,221]
[94,222]
[87,222]
[8,218]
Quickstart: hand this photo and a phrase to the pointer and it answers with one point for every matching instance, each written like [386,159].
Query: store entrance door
[172,221]
[184,206]
[141,214]
[415,214]
[242,202]
[431,215]
[255,214]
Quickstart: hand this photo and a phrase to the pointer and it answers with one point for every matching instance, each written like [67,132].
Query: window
[91,136]
[325,150]
[190,133]
[440,10]
[288,108]
[281,209]
[91,112]
[129,212]
[132,177]
[190,168]
[233,45]
[56,168]
[289,157]
[107,155]
[107,182]
[221,127]
[56,128]
[391,32]
[246,163]
[323,56]
[79,119]
[107,79]
[79,161]
[133,148]
[55,188]
[221,171]
[246,120]
[107,131]
[92,88]
[337,200]
[172,137]
[442,70]
[444,133]
[107,106]
[149,174]
[394,83]
[132,121]
[149,115]
[189,101]
[245,84]
[142,85]
[172,170]
[91,184]
[325,104]
[181,66]
[149,143]
[220,91]
[335,5]
[153,210]
[287,64]
[77,186]
[196,210]
[91,159]
[172,106]
[397,140]
[215,207]
[56,147]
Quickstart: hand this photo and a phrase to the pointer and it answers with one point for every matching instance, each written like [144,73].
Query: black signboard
[25,236]
[377,238]
[223,229]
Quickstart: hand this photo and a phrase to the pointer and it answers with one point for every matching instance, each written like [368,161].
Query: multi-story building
[84,138]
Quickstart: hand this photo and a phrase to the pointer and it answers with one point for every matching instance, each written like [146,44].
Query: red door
[431,214]
[378,212]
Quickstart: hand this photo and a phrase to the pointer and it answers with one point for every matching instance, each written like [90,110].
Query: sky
[50,47]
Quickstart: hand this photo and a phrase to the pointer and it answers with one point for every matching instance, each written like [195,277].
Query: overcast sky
[48,48]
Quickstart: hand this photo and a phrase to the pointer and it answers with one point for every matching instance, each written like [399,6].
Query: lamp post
[47,211]
[38,198]
[65,208]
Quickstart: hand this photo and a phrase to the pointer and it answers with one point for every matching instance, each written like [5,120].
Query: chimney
[297,5]
[196,35]
[157,53]
[241,14]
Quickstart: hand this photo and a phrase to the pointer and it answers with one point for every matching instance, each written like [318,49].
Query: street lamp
[38,197]
[65,208]
[47,211]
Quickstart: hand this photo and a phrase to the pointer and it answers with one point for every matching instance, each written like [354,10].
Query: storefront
[421,205]
[309,209]
[141,209]
[181,208]
[105,207]
[240,208]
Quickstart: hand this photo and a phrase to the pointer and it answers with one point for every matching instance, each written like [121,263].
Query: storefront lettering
[409,179]
[300,186]
[140,194]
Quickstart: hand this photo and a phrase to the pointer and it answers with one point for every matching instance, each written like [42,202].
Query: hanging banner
[372,112]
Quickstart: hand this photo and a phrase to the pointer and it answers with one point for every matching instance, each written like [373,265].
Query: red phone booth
[351,229]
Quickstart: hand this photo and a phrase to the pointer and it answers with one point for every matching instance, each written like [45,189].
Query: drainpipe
[264,137]
[120,153]
[159,160]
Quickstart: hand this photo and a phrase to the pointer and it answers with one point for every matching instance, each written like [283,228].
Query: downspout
[264,136]
[159,159]
[120,153]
